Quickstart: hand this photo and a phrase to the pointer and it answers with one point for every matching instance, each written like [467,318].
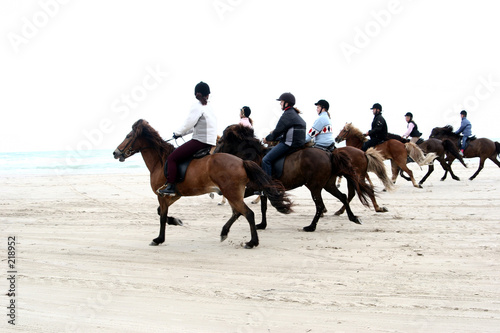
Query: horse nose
[116,153]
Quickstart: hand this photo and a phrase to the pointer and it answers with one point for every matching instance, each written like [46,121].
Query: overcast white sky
[77,74]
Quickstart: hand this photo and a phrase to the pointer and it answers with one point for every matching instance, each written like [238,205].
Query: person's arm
[461,129]
[188,126]
[408,131]
[280,129]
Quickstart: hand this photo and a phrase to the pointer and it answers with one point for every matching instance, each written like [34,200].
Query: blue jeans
[464,141]
[278,151]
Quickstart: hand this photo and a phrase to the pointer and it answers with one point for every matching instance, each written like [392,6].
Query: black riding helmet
[464,113]
[324,104]
[202,88]
[409,114]
[246,111]
[288,98]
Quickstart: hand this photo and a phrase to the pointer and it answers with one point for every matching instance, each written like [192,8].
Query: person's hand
[176,136]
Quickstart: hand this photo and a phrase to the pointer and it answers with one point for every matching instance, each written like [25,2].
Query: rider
[201,121]
[321,130]
[245,119]
[465,129]
[412,129]
[290,130]
[378,133]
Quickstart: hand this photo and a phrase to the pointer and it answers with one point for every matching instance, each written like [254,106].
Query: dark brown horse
[222,172]
[312,167]
[483,148]
[391,149]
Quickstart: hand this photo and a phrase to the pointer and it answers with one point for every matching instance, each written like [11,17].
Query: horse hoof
[382,210]
[338,213]
[248,245]
[253,202]
[309,228]
[260,226]
[174,221]
[223,238]
[357,220]
[153,243]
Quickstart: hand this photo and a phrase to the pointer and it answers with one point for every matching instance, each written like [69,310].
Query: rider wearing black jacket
[378,133]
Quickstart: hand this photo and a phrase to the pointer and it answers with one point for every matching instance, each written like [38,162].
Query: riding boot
[167,189]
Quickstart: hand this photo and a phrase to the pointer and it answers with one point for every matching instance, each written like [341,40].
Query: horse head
[344,132]
[141,137]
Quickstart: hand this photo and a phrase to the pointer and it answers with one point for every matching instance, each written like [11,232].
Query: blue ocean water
[68,162]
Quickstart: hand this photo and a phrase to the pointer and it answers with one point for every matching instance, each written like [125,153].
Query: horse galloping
[312,167]
[482,147]
[394,150]
[222,172]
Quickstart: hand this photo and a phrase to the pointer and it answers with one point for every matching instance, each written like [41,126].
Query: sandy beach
[83,264]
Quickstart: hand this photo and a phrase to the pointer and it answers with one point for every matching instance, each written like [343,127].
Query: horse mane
[446,130]
[355,131]
[142,128]
[234,135]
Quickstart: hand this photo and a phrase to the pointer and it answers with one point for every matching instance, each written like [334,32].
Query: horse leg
[447,168]
[481,165]
[256,200]
[401,173]
[494,159]
[429,171]
[320,206]
[227,226]
[351,192]
[333,190]
[240,208]
[161,237]
[401,162]
[394,168]
[263,209]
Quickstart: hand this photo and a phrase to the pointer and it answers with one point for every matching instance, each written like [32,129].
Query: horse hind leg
[320,207]
[401,163]
[481,166]
[240,208]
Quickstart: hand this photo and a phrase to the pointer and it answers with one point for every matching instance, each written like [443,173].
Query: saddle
[329,149]
[182,166]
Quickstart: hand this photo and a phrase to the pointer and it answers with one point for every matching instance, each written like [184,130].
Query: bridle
[129,151]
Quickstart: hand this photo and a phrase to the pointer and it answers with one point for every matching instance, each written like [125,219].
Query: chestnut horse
[391,149]
[312,167]
[483,148]
[221,172]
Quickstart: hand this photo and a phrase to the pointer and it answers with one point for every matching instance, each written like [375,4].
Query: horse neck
[353,141]
[153,156]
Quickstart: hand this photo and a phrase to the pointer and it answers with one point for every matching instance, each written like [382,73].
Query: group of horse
[233,170]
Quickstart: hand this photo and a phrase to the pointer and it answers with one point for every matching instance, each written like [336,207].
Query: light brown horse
[483,148]
[394,150]
[223,173]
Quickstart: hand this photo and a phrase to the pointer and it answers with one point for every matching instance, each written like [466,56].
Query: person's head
[463,114]
[201,92]
[286,100]
[409,116]
[245,112]
[321,106]
[376,108]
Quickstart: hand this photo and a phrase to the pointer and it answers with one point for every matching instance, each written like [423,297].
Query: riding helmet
[409,114]
[246,111]
[464,113]
[202,88]
[288,98]
[324,104]
[377,106]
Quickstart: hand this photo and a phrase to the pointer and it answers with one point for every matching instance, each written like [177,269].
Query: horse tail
[497,145]
[377,166]
[342,166]
[273,189]
[418,155]
[449,147]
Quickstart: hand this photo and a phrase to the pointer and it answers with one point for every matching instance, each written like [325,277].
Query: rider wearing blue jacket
[465,129]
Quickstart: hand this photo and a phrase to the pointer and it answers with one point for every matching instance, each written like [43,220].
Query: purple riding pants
[180,154]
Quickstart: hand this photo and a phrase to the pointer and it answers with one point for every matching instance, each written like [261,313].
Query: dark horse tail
[451,148]
[342,166]
[497,145]
[273,189]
